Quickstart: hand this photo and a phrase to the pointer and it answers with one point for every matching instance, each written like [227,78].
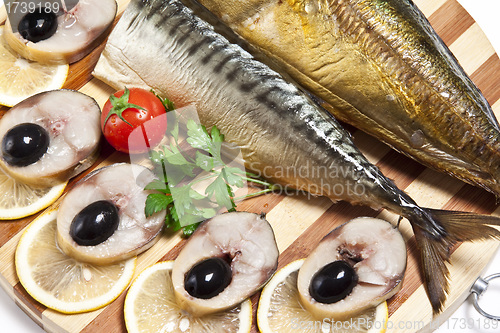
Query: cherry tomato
[133,120]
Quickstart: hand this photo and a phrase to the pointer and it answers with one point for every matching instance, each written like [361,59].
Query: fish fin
[433,257]
[464,226]
[435,246]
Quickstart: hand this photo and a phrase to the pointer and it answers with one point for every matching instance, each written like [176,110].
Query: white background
[465,319]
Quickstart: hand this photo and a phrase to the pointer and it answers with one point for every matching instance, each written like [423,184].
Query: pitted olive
[24,144]
[38,25]
[333,282]
[94,223]
[208,278]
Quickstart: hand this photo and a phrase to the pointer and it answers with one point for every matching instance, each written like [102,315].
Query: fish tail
[436,232]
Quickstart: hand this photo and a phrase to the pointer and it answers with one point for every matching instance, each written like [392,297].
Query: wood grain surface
[300,222]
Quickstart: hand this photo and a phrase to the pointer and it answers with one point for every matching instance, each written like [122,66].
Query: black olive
[24,144]
[208,278]
[38,25]
[94,223]
[333,282]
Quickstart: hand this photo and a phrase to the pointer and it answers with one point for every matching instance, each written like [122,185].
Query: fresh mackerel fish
[380,66]
[161,44]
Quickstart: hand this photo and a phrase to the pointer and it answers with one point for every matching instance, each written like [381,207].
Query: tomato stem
[120,104]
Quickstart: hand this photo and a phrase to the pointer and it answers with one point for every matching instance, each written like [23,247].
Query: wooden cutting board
[300,222]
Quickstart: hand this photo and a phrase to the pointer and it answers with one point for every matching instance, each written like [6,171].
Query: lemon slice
[280,310]
[3,12]
[21,78]
[19,200]
[60,282]
[150,306]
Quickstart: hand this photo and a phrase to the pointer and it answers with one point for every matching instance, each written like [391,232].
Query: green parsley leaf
[182,199]
[195,195]
[172,219]
[189,229]
[198,136]
[216,136]
[233,177]
[158,185]
[205,162]
[167,104]
[174,156]
[218,189]
[180,172]
[156,202]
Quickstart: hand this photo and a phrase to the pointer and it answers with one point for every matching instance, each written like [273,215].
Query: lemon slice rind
[267,291]
[21,78]
[34,199]
[135,289]
[25,272]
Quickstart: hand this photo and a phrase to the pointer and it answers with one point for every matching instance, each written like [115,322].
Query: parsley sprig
[182,168]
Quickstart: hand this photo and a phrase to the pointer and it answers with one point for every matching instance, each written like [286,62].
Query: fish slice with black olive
[227,259]
[55,34]
[50,137]
[356,266]
[101,220]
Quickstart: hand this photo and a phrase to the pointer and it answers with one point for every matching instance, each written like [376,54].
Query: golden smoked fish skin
[379,65]
[283,135]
